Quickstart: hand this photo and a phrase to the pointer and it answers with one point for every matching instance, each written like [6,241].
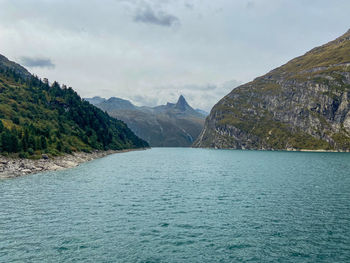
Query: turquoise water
[182,205]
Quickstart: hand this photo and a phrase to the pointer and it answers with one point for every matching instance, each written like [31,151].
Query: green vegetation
[301,105]
[37,118]
[334,53]
[342,140]
[268,132]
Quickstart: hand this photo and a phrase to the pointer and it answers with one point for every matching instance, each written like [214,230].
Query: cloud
[100,49]
[37,62]
[250,5]
[189,6]
[144,101]
[149,16]
[198,96]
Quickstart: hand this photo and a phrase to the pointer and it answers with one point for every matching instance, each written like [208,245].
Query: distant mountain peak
[115,99]
[169,125]
[114,103]
[95,100]
[182,104]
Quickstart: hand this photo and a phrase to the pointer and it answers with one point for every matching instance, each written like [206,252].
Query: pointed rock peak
[181,98]
[182,103]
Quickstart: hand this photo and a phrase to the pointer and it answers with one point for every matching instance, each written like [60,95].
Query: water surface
[182,205]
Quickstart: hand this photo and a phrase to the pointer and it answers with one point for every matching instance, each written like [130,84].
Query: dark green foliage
[9,141]
[36,118]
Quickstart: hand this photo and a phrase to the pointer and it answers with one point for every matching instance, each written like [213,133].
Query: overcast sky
[151,51]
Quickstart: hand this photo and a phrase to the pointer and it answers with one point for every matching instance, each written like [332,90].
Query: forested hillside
[37,118]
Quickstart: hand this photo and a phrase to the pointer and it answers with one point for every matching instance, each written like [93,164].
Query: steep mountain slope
[10,66]
[36,118]
[303,104]
[170,125]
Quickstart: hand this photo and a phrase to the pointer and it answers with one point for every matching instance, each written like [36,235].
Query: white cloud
[37,62]
[99,49]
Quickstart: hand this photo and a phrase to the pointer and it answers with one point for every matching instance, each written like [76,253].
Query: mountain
[303,104]
[37,118]
[113,104]
[204,113]
[182,104]
[10,66]
[95,100]
[171,125]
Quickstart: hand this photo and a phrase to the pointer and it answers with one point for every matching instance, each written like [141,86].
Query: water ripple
[182,205]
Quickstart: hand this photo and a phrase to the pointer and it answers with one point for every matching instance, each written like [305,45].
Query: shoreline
[15,167]
[320,151]
[277,150]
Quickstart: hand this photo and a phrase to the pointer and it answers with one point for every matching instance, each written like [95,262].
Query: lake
[182,205]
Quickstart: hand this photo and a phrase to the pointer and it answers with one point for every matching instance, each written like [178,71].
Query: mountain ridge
[303,104]
[170,125]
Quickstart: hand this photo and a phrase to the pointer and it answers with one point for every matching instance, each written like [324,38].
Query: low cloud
[149,16]
[144,101]
[37,62]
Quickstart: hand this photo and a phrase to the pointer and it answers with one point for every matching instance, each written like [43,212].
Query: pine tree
[43,142]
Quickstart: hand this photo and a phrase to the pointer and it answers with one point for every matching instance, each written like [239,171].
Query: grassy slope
[242,108]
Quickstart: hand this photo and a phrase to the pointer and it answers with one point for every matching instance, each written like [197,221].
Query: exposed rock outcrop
[304,104]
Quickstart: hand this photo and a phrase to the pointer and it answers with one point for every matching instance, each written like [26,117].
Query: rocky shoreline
[281,150]
[11,167]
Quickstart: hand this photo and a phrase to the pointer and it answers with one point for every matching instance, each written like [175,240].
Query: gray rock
[17,167]
[304,104]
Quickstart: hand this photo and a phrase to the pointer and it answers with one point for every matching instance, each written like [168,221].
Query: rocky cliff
[304,104]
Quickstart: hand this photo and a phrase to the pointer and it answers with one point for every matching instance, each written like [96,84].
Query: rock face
[171,125]
[304,104]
